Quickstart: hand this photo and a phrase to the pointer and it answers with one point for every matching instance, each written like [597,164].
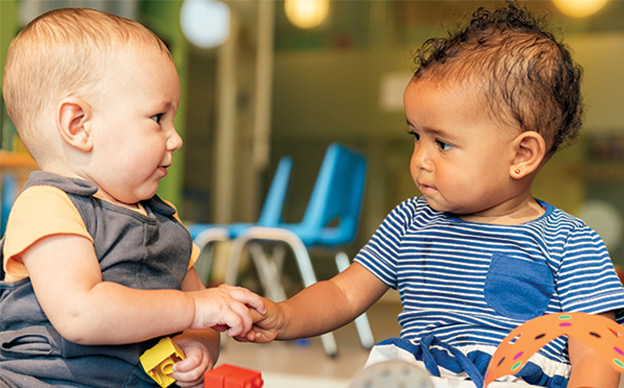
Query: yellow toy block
[158,361]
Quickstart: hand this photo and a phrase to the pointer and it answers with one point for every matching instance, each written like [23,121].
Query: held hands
[266,327]
[226,308]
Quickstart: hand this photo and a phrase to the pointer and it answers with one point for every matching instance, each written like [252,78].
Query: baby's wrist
[194,304]
[281,322]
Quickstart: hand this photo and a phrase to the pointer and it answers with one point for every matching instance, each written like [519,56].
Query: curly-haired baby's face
[462,155]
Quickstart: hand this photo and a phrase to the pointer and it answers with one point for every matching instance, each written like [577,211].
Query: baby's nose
[421,159]
[174,142]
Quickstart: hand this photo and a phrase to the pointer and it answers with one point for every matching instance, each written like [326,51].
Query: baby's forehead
[473,93]
[469,85]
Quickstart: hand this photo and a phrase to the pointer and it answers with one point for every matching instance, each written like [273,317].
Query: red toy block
[230,376]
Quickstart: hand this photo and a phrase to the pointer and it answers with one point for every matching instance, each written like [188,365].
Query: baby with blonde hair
[98,267]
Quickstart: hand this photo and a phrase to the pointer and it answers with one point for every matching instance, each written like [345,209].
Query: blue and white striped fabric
[470,284]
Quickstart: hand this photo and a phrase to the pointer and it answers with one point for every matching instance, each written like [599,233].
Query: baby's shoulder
[415,211]
[560,220]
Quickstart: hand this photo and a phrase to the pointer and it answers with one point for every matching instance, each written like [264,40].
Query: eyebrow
[167,105]
[437,132]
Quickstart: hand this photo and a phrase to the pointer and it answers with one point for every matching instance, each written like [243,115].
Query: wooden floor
[293,364]
[307,359]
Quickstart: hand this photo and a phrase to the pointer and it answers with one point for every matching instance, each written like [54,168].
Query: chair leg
[301,256]
[361,323]
[204,264]
[236,251]
[329,344]
[269,272]
[205,238]
[307,274]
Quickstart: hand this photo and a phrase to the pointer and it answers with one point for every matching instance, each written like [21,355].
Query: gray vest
[137,251]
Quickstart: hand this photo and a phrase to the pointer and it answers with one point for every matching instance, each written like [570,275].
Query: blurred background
[262,79]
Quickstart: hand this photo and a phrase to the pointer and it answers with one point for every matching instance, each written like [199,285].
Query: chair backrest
[7,196]
[337,197]
[271,212]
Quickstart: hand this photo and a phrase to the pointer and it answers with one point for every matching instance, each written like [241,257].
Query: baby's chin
[446,209]
[132,199]
[436,205]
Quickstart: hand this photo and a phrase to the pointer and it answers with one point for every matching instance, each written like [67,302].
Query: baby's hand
[226,308]
[190,371]
[266,326]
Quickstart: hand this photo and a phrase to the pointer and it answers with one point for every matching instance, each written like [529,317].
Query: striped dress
[464,286]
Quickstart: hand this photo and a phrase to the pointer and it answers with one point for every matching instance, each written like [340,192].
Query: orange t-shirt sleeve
[38,212]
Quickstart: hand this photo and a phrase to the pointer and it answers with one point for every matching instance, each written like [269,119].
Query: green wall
[163,18]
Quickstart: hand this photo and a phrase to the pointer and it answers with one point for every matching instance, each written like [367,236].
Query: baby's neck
[60,169]
[132,206]
[513,215]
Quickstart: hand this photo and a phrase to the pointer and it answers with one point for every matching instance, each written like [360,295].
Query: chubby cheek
[146,159]
[414,174]
[413,169]
[455,185]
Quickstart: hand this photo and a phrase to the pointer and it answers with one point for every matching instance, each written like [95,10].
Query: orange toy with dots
[600,333]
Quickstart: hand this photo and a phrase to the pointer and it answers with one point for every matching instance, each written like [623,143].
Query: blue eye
[444,146]
[157,118]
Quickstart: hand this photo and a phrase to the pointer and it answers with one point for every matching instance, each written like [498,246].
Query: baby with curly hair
[477,254]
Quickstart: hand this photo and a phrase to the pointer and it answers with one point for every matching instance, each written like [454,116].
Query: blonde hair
[61,52]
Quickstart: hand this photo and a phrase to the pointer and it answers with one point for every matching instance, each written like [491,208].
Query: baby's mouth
[426,189]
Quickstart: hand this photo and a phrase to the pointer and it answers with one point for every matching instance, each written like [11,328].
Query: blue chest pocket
[518,289]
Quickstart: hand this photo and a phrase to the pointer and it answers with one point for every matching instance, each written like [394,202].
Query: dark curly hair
[528,76]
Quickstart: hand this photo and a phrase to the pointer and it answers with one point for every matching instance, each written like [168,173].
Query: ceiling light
[579,8]
[306,13]
[205,23]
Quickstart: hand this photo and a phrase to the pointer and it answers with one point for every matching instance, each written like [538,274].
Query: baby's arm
[67,281]
[320,308]
[201,347]
[588,368]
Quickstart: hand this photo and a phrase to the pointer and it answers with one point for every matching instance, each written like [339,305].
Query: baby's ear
[73,117]
[530,150]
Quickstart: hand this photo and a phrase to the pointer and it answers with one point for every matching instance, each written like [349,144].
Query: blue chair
[8,192]
[270,215]
[330,221]
[7,196]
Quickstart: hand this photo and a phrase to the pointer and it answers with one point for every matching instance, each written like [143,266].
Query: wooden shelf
[16,160]
[18,165]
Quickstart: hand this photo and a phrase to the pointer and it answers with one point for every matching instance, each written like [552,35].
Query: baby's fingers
[186,365]
[246,297]
[255,315]
[256,335]
[241,320]
[249,335]
[189,372]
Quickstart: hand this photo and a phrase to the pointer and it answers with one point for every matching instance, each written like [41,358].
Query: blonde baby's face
[132,125]
[462,157]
